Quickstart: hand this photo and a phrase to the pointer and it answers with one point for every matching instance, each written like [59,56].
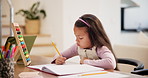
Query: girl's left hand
[82,60]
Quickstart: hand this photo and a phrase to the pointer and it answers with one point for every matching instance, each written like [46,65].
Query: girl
[92,44]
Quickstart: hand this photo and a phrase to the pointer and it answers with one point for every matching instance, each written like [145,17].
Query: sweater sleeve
[107,60]
[70,52]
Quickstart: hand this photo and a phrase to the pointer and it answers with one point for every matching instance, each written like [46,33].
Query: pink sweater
[107,60]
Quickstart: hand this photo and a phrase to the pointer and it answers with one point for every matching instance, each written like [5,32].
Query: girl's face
[82,37]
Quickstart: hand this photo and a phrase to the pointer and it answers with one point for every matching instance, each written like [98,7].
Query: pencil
[7,46]
[1,54]
[94,73]
[56,49]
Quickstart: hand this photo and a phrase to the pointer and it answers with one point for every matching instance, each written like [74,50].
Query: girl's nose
[76,40]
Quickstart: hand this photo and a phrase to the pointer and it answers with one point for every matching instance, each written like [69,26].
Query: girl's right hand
[60,60]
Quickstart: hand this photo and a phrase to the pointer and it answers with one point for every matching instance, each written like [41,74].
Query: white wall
[53,24]
[107,11]
[73,9]
[61,15]
[110,16]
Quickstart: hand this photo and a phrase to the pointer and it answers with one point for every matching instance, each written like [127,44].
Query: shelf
[39,35]
[41,45]
[6,26]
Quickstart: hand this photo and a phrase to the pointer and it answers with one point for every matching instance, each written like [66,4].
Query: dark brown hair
[96,31]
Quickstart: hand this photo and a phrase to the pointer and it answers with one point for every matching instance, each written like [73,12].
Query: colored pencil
[56,49]
[94,73]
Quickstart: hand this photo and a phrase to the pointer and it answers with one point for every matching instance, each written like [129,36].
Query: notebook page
[70,69]
[39,66]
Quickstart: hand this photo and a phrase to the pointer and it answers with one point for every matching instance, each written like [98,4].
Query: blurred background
[115,15]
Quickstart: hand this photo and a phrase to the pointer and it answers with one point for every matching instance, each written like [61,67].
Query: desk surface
[38,60]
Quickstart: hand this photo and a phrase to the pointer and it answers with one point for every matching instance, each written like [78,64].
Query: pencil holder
[7,68]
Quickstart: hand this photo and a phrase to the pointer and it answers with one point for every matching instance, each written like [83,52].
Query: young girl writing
[92,44]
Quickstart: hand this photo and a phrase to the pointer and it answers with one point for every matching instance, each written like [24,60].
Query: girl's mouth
[78,44]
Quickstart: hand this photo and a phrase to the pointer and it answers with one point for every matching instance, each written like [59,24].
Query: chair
[139,65]
[139,69]
[140,72]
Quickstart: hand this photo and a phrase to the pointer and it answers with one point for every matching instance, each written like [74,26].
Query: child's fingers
[60,60]
[64,58]
[82,60]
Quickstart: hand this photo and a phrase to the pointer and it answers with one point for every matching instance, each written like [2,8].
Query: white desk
[38,60]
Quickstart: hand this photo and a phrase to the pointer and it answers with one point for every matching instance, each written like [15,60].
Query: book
[65,69]
[98,74]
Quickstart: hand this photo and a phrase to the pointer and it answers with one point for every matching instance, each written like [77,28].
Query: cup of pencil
[6,67]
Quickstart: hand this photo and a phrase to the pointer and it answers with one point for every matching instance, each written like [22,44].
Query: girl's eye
[80,38]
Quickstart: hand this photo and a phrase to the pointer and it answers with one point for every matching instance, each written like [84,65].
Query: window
[134,15]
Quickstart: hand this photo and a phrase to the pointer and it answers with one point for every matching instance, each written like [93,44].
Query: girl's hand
[60,60]
[82,60]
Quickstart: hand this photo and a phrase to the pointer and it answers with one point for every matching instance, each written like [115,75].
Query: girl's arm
[70,52]
[107,60]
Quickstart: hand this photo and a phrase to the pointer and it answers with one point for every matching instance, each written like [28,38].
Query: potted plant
[32,18]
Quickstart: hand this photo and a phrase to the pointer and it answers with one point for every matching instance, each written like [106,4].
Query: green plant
[33,13]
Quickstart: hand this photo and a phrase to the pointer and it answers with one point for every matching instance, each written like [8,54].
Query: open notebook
[68,69]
